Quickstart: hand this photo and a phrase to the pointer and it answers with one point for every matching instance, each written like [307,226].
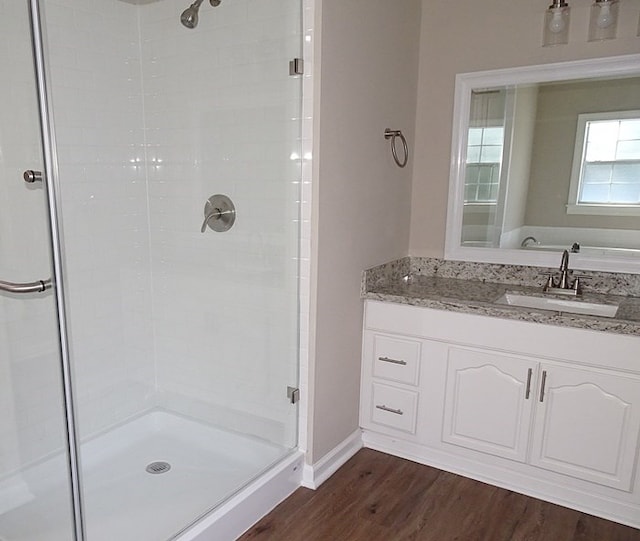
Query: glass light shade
[603,23]
[556,25]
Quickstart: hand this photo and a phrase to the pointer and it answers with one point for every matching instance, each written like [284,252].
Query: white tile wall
[98,114]
[223,116]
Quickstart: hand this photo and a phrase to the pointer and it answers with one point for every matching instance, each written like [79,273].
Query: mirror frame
[617,66]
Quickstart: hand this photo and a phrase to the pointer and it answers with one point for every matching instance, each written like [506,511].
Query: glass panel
[596,173]
[626,172]
[184,351]
[493,136]
[630,129]
[491,154]
[602,137]
[34,480]
[625,193]
[628,150]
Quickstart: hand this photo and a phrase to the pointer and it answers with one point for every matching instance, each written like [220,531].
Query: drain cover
[158,467]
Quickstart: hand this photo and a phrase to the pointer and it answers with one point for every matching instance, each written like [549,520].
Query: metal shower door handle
[32,176]
[27,287]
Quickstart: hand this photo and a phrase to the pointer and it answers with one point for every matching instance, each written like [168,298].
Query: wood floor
[377,497]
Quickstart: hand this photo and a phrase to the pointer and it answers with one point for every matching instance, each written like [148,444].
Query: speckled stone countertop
[474,287]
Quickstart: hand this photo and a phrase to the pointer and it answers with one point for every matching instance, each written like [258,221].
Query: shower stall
[150,176]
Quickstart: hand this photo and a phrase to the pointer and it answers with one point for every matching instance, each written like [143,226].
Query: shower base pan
[150,479]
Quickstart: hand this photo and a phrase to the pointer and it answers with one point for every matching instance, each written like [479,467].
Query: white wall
[367,79]
[471,36]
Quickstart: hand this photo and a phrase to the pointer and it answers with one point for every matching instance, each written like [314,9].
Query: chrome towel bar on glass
[27,287]
[392,134]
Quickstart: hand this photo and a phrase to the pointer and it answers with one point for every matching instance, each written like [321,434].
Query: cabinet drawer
[396,359]
[393,407]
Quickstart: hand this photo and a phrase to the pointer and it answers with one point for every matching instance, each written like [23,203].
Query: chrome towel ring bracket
[392,134]
[219,214]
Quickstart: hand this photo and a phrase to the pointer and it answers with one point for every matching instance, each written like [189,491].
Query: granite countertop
[475,296]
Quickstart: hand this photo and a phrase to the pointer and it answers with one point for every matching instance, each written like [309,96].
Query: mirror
[547,158]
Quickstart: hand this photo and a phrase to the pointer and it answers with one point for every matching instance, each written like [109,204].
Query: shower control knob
[219,214]
[31,176]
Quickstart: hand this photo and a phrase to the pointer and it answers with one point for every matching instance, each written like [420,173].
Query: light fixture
[603,22]
[556,24]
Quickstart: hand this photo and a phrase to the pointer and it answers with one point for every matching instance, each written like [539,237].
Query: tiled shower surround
[151,119]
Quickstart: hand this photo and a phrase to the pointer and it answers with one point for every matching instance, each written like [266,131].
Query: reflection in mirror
[547,158]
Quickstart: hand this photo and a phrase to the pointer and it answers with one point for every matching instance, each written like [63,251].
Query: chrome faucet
[564,271]
[528,241]
[564,286]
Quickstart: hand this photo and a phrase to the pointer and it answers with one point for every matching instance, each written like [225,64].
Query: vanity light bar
[603,22]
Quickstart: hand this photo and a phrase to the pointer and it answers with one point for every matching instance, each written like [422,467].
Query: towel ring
[392,134]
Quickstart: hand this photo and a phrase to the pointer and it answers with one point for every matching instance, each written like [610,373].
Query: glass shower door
[35,495]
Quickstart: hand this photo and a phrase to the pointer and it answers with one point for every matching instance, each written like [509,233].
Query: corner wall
[480,36]
[368,76]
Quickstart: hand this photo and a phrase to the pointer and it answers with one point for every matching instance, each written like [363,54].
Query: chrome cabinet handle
[544,381]
[27,287]
[390,410]
[527,393]
[392,361]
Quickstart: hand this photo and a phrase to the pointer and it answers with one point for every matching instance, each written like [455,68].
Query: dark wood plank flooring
[378,497]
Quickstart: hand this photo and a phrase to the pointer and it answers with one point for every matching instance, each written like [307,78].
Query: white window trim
[578,152]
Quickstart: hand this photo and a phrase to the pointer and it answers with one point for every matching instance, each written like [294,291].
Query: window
[484,157]
[606,165]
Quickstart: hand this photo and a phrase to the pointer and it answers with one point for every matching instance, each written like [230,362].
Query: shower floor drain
[158,467]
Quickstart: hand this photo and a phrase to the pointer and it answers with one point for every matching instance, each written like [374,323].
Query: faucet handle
[577,283]
[550,282]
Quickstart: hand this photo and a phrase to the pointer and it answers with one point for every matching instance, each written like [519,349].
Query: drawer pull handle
[390,410]
[392,361]
[544,382]
[528,391]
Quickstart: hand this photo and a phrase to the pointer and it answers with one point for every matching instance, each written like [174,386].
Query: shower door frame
[52,190]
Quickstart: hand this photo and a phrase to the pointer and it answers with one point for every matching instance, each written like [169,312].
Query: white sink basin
[559,305]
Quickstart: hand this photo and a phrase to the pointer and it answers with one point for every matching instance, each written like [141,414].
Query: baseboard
[314,475]
[248,506]
[593,504]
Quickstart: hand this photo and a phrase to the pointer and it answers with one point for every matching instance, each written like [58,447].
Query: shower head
[189,17]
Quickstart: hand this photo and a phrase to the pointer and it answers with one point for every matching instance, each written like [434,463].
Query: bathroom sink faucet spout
[564,271]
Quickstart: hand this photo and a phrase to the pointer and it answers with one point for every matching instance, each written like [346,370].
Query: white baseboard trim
[316,474]
[252,503]
[536,487]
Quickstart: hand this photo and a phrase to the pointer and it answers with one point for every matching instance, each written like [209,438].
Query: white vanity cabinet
[392,395]
[548,411]
[583,424]
[587,425]
[488,402]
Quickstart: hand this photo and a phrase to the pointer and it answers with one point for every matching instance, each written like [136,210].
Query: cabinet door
[488,402]
[587,425]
